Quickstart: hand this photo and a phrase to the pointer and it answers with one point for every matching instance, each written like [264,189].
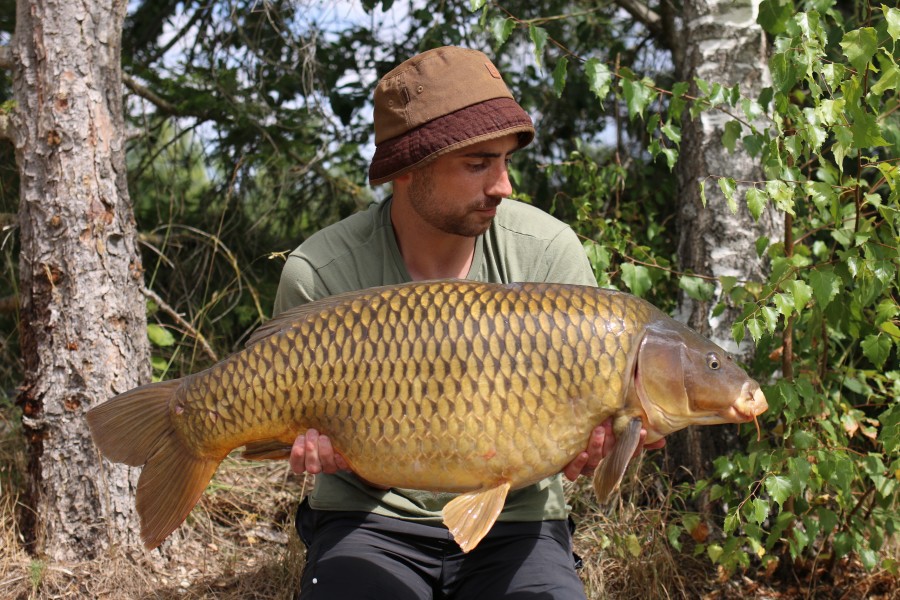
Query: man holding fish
[445,127]
[457,353]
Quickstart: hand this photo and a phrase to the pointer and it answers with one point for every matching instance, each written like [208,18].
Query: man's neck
[427,252]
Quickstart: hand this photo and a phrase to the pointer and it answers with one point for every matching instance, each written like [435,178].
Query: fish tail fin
[136,428]
[611,470]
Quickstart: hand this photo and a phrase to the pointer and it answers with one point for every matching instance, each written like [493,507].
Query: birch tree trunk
[720,42]
[83,322]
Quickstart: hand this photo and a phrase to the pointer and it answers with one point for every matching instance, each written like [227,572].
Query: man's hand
[312,453]
[600,444]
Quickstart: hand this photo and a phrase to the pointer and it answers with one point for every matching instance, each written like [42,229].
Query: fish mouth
[752,403]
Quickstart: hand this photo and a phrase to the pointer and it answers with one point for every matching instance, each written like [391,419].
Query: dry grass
[239,543]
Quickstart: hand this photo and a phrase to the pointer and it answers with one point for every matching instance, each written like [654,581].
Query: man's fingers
[297,460]
[311,461]
[574,468]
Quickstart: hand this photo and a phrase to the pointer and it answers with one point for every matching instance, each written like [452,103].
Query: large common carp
[451,386]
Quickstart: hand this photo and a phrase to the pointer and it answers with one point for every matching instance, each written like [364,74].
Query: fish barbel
[453,386]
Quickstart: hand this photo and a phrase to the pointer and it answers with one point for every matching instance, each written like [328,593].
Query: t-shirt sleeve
[299,284]
[566,261]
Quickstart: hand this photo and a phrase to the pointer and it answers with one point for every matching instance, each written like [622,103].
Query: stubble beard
[425,201]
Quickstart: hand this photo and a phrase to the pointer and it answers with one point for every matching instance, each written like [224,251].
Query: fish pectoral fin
[267,450]
[471,515]
[608,476]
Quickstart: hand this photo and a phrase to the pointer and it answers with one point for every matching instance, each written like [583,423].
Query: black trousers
[362,556]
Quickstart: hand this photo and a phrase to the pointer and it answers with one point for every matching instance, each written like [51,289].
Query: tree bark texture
[720,42]
[83,321]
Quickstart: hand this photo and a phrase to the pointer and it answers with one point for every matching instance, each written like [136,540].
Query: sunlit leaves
[729,187]
[559,76]
[860,46]
[877,348]
[501,28]
[538,37]
[637,278]
[598,76]
[697,288]
[638,95]
[160,336]
[756,202]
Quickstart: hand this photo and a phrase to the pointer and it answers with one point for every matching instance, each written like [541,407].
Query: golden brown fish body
[443,386]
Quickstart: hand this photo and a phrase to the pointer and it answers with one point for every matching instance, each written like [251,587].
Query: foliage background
[251,129]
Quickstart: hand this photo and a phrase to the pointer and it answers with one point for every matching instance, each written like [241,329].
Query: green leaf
[731,135]
[825,286]
[476,5]
[501,29]
[782,194]
[672,132]
[760,510]
[866,130]
[703,193]
[784,72]
[697,288]
[714,551]
[779,487]
[637,278]
[539,39]
[774,15]
[159,336]
[559,76]
[633,545]
[598,77]
[770,317]
[892,16]
[159,363]
[671,155]
[860,46]
[889,80]
[756,202]
[728,187]
[673,532]
[801,293]
[877,348]
[638,95]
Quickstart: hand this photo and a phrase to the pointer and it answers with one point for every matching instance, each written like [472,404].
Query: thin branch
[148,94]
[164,306]
[645,15]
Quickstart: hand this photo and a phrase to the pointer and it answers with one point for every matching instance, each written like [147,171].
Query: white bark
[83,323]
[721,43]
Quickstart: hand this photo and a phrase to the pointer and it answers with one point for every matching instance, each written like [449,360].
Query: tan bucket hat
[439,101]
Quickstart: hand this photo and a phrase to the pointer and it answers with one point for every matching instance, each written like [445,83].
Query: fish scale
[446,386]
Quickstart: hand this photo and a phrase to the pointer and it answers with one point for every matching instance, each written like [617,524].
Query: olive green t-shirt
[522,244]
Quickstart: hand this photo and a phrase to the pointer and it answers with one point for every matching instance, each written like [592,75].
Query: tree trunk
[83,322]
[720,42]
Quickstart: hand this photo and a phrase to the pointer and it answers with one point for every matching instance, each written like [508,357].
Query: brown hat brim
[486,120]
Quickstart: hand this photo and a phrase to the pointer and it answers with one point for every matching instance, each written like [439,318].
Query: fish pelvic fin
[608,476]
[136,428]
[470,516]
[267,450]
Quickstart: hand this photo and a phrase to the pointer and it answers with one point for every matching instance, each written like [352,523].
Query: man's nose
[499,184]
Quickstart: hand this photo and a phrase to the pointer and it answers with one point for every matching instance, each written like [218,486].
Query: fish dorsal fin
[267,450]
[471,515]
[608,476]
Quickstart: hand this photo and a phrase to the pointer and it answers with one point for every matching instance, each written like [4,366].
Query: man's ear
[403,179]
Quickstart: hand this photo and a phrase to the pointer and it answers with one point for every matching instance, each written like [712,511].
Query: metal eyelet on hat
[420,89]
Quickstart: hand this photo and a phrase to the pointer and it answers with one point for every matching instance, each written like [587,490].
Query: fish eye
[712,361]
